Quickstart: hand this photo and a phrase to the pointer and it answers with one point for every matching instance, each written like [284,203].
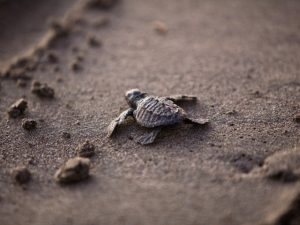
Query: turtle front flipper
[198,121]
[148,138]
[119,120]
[181,98]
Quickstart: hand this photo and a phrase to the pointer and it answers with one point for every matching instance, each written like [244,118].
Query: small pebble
[42,90]
[257,94]
[86,149]
[74,170]
[66,135]
[18,108]
[93,41]
[29,124]
[21,175]
[75,66]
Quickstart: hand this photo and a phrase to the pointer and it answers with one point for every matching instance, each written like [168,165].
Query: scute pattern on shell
[156,111]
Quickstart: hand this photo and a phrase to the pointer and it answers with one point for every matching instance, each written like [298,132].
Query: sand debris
[18,108]
[42,90]
[19,68]
[21,175]
[66,135]
[86,149]
[29,124]
[281,167]
[93,41]
[74,170]
[75,66]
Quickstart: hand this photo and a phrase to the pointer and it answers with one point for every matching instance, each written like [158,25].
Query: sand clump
[282,167]
[21,175]
[18,108]
[20,68]
[74,170]
[29,124]
[66,135]
[86,149]
[42,90]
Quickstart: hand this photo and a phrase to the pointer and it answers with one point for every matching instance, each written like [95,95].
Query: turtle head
[133,96]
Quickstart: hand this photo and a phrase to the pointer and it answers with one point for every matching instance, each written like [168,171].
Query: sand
[240,58]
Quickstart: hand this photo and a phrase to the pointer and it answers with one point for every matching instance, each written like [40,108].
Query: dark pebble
[66,135]
[42,90]
[93,41]
[29,124]
[18,108]
[75,66]
[21,175]
[297,118]
[86,149]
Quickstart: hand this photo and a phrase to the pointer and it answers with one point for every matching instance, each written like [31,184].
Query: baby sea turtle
[154,112]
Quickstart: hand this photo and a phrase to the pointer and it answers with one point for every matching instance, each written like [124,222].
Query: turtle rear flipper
[198,121]
[148,138]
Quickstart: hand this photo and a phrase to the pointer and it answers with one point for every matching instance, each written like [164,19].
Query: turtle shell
[158,111]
